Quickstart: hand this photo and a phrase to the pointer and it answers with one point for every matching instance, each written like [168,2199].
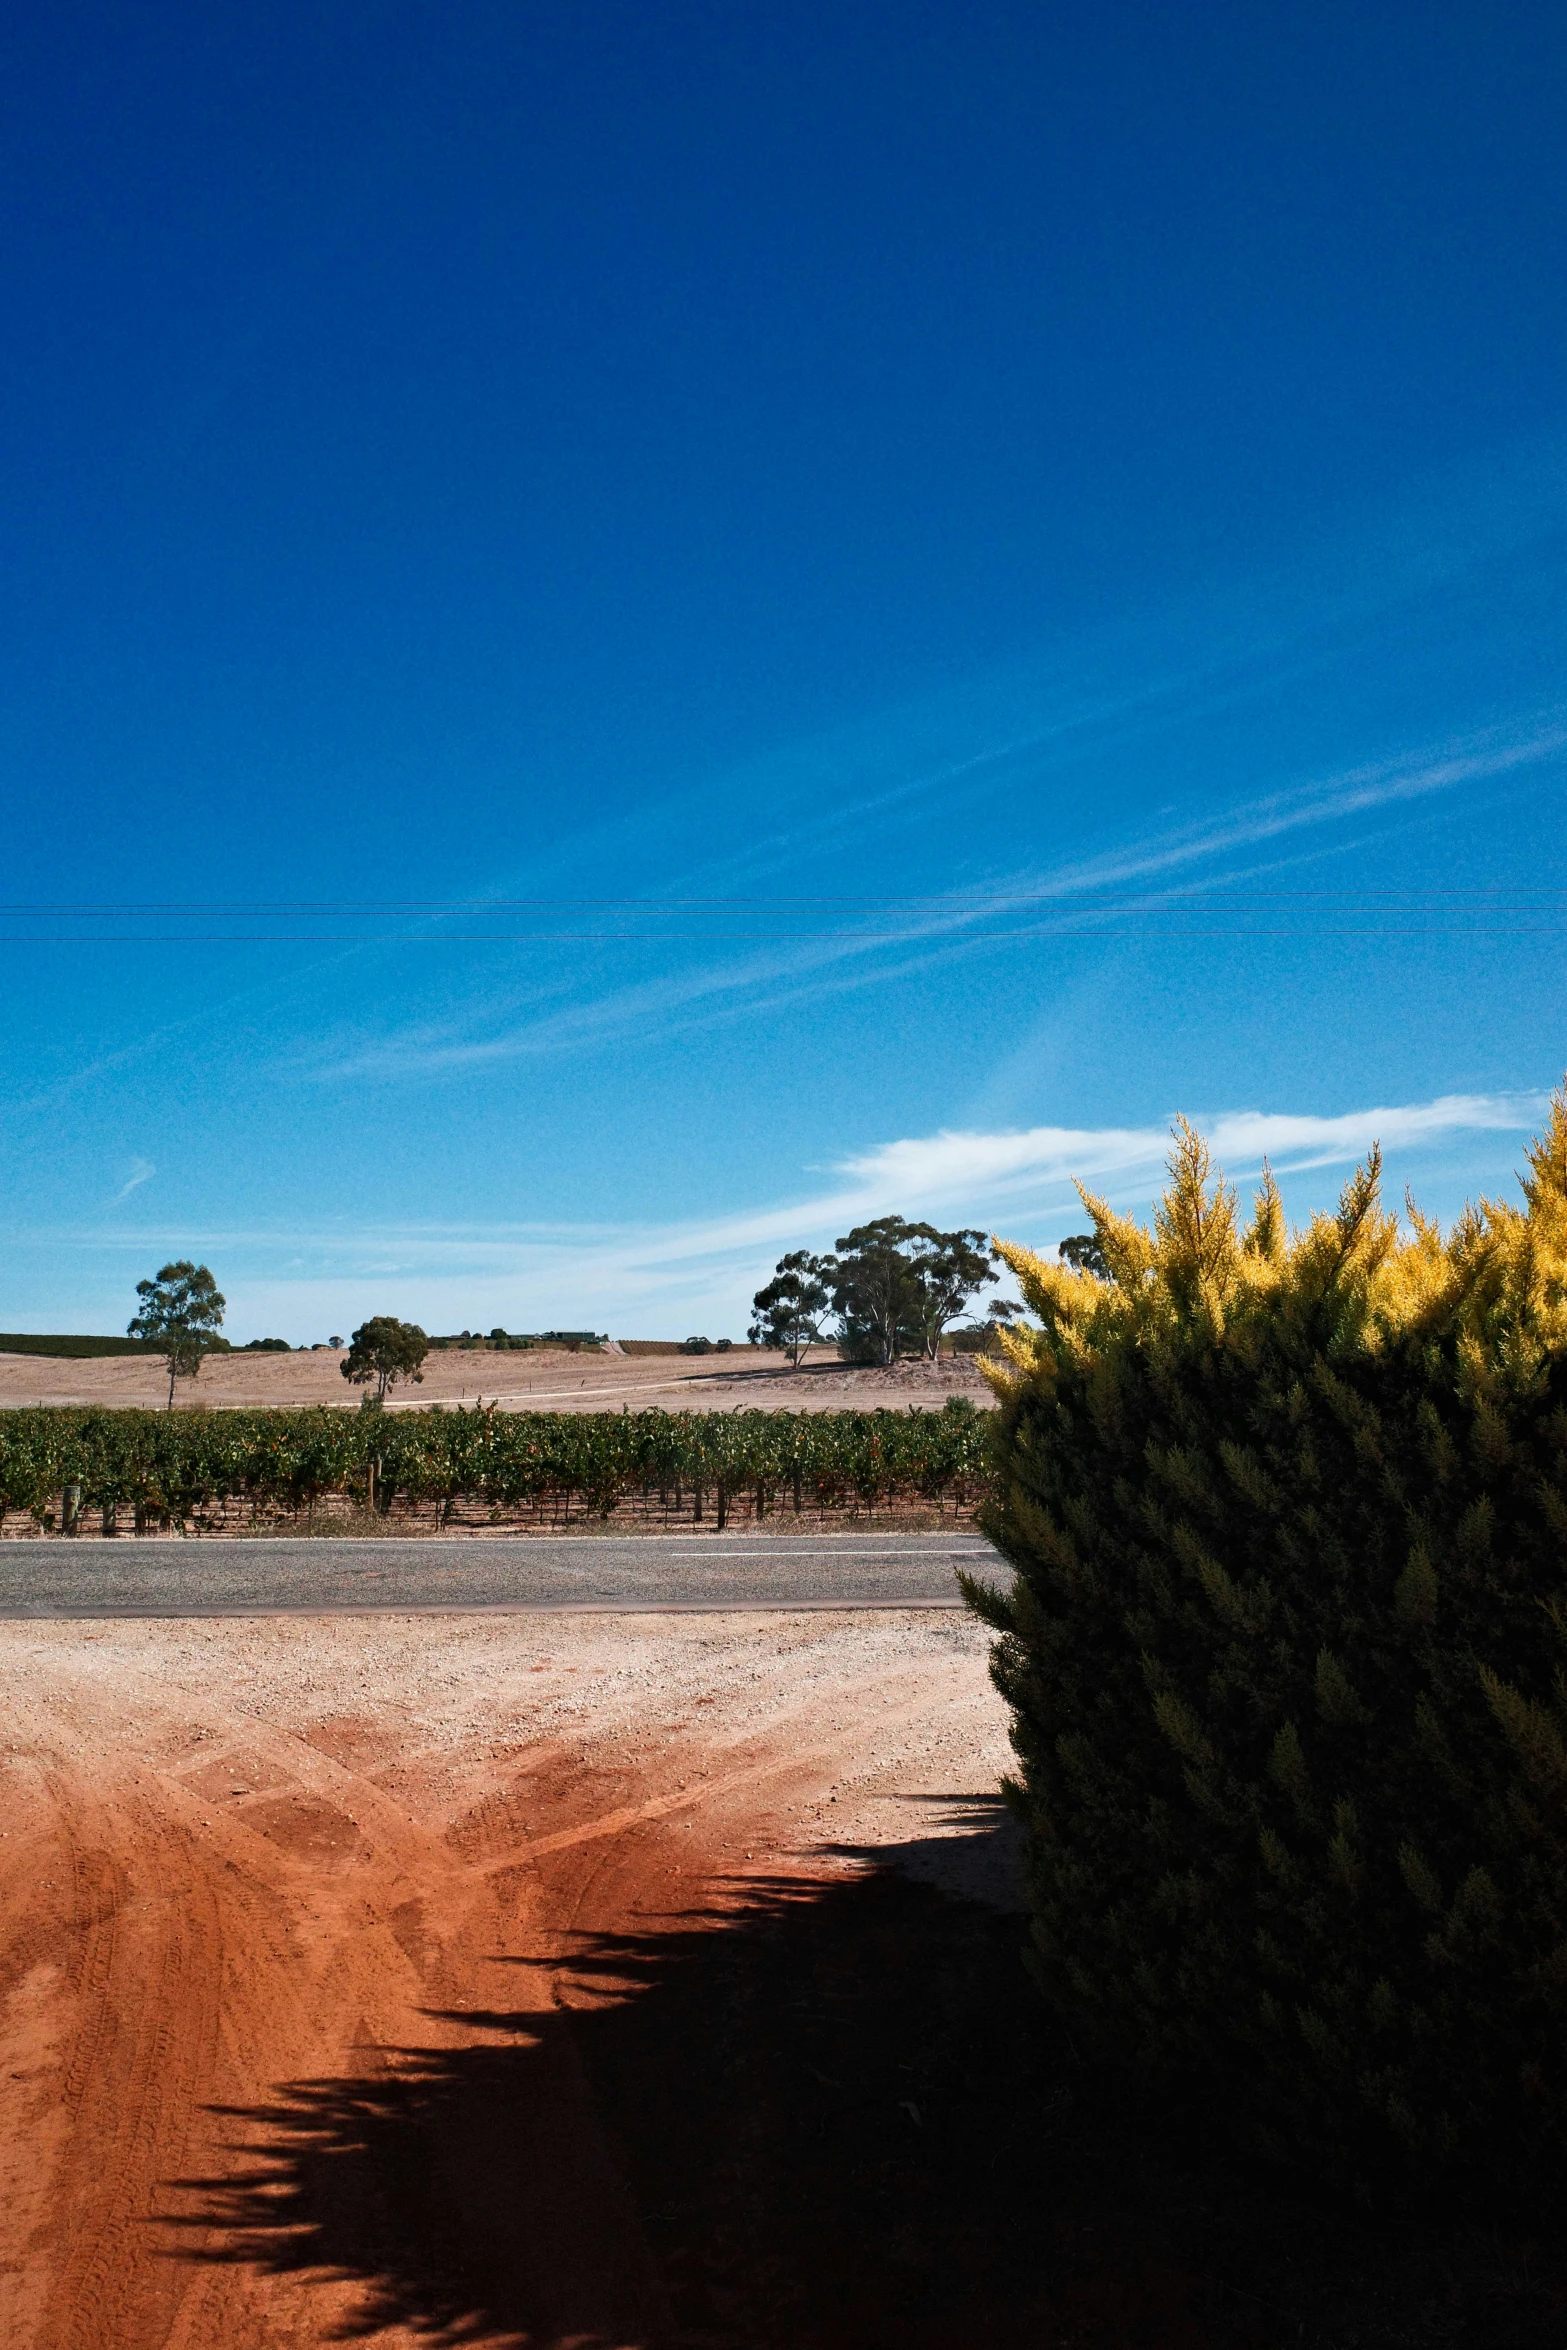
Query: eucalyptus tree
[896,1286]
[181,1314]
[789,1311]
[385,1350]
[950,1268]
[1081,1250]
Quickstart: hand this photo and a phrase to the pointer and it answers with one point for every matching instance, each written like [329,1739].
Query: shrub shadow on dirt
[835,2115]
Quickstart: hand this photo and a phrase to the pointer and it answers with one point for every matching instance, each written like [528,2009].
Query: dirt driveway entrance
[412,1973]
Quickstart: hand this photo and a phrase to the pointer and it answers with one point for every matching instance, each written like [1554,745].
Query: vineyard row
[85,1470]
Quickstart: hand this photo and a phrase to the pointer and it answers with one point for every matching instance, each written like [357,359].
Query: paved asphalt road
[156,1576]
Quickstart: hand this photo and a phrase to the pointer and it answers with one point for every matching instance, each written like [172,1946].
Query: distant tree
[950,1267]
[896,1286]
[385,1350]
[874,1291]
[789,1311]
[1081,1250]
[267,1346]
[181,1314]
[696,1346]
[978,1334]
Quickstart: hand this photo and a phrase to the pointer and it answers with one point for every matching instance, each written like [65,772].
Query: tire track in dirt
[246,1908]
[143,1995]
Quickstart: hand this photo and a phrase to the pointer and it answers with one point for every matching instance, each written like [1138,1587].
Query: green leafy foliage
[385,1350]
[896,1286]
[74,1347]
[788,1311]
[181,1314]
[519,1341]
[875,1293]
[1287,1660]
[173,1466]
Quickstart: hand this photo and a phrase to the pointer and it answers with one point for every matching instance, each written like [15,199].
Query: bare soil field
[282,1904]
[591,1982]
[537,1381]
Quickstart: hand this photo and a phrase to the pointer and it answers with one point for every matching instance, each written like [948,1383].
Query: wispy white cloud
[1326,800]
[141,1171]
[636,1276]
[754,982]
[991,1167]
[1244,1138]
[1058,902]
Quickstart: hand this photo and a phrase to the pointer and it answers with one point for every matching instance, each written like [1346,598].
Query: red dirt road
[302,1926]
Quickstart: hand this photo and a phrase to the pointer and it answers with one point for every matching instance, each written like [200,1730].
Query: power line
[1066,931]
[348,909]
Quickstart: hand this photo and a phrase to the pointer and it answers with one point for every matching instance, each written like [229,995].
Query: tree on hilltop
[950,1268]
[181,1314]
[385,1350]
[874,1292]
[896,1286]
[788,1312]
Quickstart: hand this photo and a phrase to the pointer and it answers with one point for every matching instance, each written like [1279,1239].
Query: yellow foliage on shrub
[1287,1660]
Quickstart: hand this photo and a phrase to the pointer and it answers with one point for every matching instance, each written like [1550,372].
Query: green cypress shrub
[1287,1661]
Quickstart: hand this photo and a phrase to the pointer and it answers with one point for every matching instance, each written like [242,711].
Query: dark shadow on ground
[833,2118]
[963,1844]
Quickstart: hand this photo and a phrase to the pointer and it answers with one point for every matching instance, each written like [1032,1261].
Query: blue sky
[631,634]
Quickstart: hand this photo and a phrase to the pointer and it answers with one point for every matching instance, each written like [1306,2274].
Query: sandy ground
[582,1983]
[302,1924]
[518,1382]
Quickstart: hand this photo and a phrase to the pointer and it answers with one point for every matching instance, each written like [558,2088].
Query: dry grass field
[544,1380]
